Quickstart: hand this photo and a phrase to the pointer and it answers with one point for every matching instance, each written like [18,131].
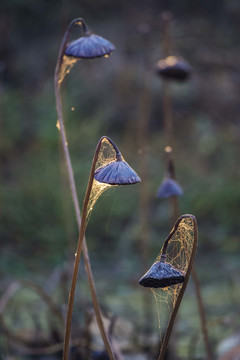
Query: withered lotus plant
[169,275]
[171,189]
[90,46]
[96,186]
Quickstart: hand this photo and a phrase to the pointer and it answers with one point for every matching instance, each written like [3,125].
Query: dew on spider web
[107,154]
[66,66]
[179,253]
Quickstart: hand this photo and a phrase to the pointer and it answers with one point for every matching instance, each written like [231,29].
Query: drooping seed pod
[89,46]
[173,68]
[161,275]
[117,173]
[169,187]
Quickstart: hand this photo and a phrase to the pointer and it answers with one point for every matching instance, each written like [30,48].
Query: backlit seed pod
[89,46]
[117,173]
[173,68]
[161,275]
[169,187]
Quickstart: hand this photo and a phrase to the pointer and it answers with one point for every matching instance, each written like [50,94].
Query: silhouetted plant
[173,68]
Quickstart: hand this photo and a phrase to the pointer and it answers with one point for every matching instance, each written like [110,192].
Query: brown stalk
[82,242]
[80,246]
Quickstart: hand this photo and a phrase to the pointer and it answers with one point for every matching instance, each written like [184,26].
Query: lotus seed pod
[168,188]
[89,46]
[173,68]
[161,275]
[116,173]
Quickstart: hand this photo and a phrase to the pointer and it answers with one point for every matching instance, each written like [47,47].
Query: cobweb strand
[66,66]
[107,154]
[179,253]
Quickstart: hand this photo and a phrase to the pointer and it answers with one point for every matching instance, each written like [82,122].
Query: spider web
[65,68]
[107,154]
[180,251]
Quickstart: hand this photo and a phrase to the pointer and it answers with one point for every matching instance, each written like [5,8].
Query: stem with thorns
[77,210]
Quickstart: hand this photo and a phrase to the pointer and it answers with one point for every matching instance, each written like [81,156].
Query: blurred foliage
[103,97]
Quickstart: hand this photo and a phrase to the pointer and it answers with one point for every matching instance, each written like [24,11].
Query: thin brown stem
[82,241]
[167,111]
[166,18]
[82,245]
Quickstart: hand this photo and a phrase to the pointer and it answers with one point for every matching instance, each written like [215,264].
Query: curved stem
[170,235]
[184,285]
[64,43]
[76,208]
[82,245]
[118,153]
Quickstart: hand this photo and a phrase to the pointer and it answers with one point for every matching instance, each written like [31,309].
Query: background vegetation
[104,97]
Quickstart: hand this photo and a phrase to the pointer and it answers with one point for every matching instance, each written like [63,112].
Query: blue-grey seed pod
[161,275]
[173,68]
[116,173]
[89,46]
[169,187]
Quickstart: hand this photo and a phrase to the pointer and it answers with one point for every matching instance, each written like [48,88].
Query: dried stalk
[76,204]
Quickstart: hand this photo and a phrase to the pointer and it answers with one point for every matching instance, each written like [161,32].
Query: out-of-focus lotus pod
[161,275]
[169,187]
[173,68]
[117,173]
[89,46]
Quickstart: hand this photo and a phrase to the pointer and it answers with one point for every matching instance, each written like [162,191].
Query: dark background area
[38,232]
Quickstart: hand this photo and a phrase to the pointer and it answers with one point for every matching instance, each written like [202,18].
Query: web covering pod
[178,250]
[89,46]
[173,68]
[161,275]
[117,173]
[169,187]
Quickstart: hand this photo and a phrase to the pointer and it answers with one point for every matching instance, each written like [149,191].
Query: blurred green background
[38,231]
